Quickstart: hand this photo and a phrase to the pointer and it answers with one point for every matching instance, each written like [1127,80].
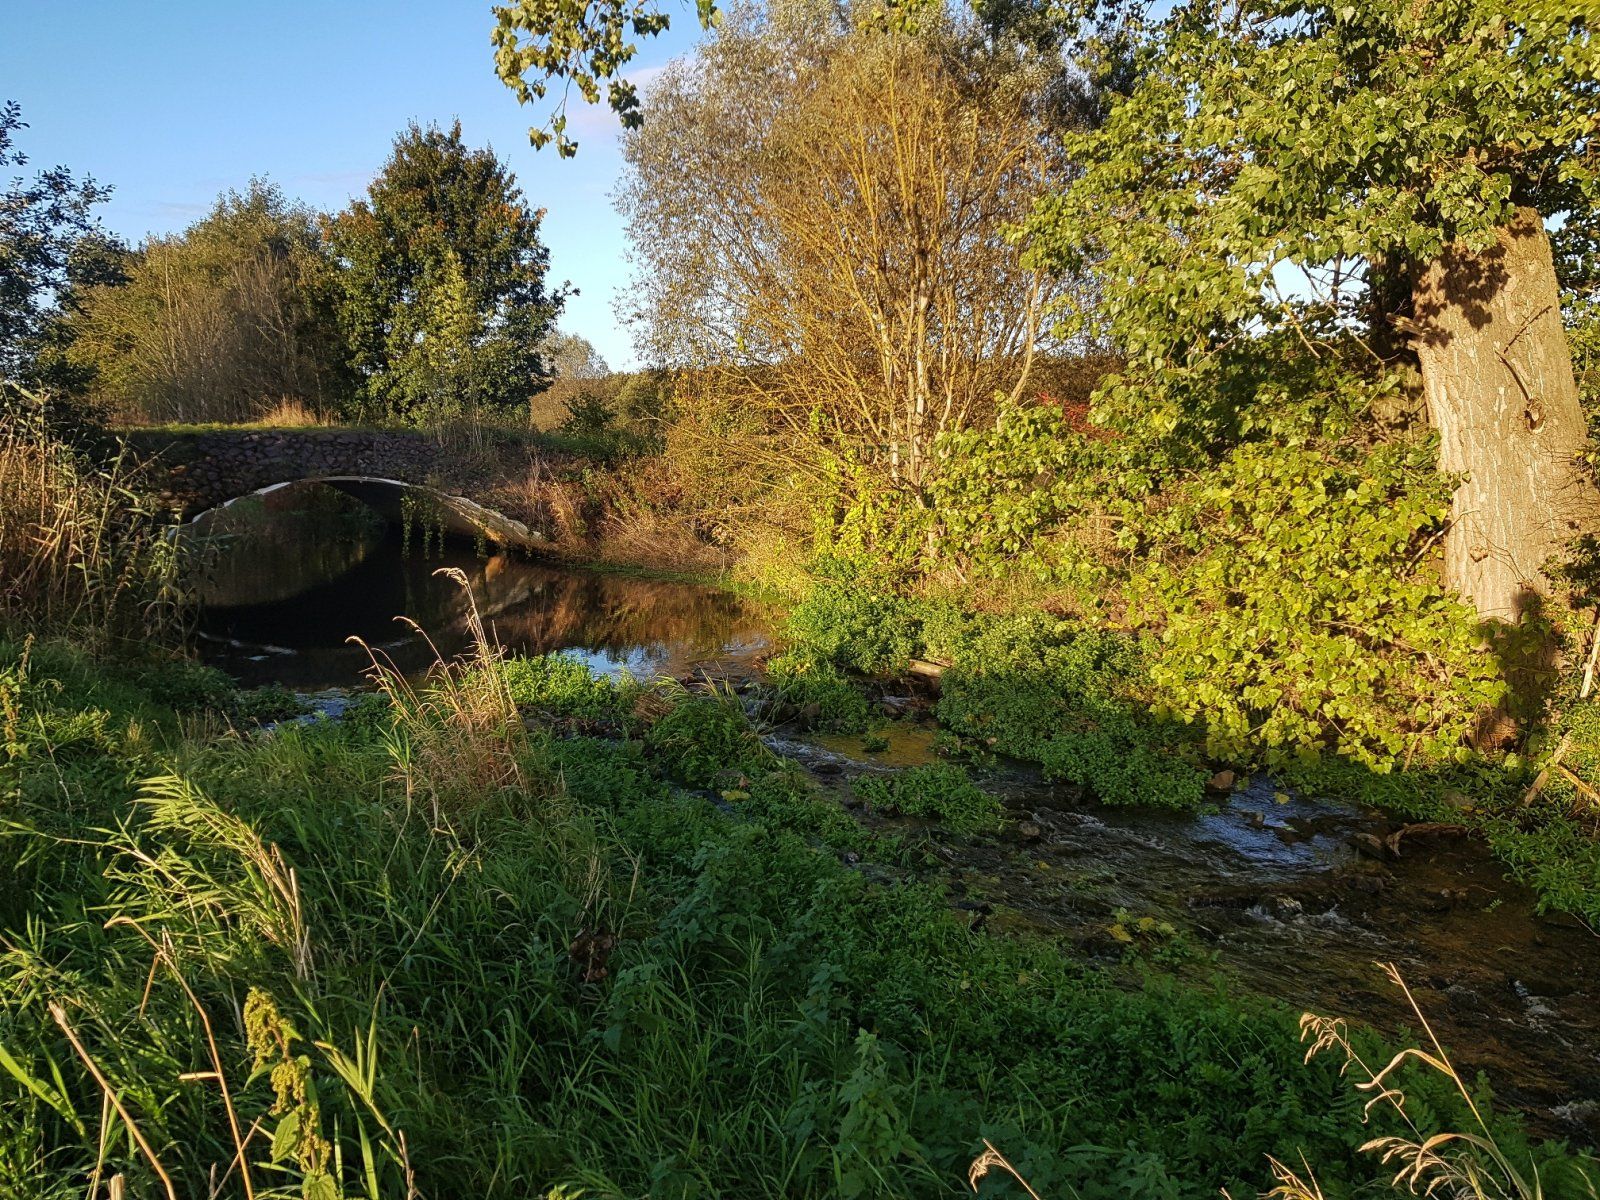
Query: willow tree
[1419,146]
[821,214]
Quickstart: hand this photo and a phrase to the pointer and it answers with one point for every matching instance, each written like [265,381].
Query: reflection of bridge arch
[456,514]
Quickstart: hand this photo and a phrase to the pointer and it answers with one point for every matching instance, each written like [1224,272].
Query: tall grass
[1470,1163]
[458,741]
[81,547]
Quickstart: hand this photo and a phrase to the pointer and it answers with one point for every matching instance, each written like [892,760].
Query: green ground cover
[448,942]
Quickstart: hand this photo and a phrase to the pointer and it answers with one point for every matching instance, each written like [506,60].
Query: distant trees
[50,243]
[820,215]
[577,369]
[220,322]
[442,302]
[570,356]
[422,302]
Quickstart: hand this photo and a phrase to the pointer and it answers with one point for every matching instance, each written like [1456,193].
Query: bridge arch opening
[454,515]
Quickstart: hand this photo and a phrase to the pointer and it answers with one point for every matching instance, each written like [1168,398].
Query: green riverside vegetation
[1168,394]
[450,942]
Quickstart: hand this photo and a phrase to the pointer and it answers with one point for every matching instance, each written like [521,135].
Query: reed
[82,550]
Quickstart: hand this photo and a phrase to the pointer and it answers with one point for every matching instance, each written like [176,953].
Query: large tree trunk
[1500,389]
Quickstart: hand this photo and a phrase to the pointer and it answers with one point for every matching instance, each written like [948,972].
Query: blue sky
[172,101]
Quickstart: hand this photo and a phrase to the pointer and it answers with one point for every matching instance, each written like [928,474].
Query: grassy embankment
[526,928]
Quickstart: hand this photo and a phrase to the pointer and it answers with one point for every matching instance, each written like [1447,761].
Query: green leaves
[442,300]
[1313,134]
[940,790]
[1292,616]
[586,45]
[1275,558]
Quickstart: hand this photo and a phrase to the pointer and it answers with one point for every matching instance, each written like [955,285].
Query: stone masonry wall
[196,471]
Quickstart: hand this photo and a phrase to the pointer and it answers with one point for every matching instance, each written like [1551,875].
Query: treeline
[423,302]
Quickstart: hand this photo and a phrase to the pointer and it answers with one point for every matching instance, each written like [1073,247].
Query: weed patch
[942,791]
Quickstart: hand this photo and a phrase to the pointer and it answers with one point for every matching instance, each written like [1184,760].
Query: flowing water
[1299,898]
[1294,897]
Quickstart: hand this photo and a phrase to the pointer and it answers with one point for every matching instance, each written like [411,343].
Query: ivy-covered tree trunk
[1498,379]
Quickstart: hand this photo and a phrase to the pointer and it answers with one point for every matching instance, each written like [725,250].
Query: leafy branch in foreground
[585,46]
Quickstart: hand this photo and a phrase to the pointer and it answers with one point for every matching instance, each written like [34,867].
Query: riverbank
[1077,700]
[530,928]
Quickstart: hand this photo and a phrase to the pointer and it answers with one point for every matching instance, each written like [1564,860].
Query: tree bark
[1498,379]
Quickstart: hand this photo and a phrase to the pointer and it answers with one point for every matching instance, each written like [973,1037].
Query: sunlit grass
[81,549]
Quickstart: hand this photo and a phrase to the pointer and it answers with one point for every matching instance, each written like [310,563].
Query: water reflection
[293,580]
[274,545]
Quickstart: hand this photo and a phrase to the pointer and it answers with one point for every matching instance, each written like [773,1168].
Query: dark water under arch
[286,578]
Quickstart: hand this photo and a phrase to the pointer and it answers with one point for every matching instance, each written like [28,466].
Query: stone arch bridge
[193,473]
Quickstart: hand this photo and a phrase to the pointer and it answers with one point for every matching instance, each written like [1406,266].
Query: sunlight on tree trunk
[1500,389]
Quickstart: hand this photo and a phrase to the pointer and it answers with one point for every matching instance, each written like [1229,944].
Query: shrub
[267,705]
[1028,685]
[851,624]
[1289,617]
[564,687]
[812,684]
[187,686]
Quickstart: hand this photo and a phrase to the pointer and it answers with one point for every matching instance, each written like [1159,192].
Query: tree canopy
[220,322]
[820,216]
[443,301]
[1330,136]
[50,240]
